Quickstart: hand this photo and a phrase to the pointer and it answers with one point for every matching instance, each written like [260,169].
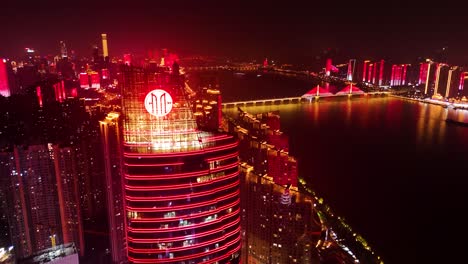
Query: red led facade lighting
[405,66]
[328,67]
[397,80]
[84,80]
[39,95]
[423,72]
[364,70]
[181,184]
[381,72]
[4,87]
[128,59]
[462,81]
[392,77]
[375,72]
[349,74]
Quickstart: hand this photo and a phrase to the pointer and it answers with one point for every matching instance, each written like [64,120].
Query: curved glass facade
[182,199]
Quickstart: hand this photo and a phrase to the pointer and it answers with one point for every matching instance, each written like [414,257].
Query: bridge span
[289,100]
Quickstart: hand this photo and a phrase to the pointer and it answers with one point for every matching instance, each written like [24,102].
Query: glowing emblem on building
[158,103]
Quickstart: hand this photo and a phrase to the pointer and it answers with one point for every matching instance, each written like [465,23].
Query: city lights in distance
[158,103]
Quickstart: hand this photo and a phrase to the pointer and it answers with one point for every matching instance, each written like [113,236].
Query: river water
[393,168]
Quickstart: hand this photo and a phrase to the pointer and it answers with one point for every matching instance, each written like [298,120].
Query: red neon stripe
[182,196]
[181,207]
[182,153]
[179,175]
[136,260]
[180,186]
[190,216]
[181,228]
[150,132]
[223,157]
[158,240]
[225,167]
[175,249]
[166,176]
[154,165]
[227,255]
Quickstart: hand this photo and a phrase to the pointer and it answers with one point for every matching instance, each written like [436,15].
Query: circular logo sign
[158,102]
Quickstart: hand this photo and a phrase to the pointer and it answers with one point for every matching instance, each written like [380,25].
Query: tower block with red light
[181,183]
[328,67]
[4,86]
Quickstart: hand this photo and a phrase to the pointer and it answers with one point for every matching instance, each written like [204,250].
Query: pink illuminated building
[95,80]
[369,75]
[84,80]
[381,72]
[350,72]
[180,184]
[463,76]
[4,87]
[328,67]
[403,79]
[92,79]
[375,72]
[399,74]
[423,73]
[128,59]
[364,70]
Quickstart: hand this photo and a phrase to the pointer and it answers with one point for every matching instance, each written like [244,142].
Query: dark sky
[399,31]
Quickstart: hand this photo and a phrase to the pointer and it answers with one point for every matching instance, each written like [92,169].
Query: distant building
[105,51]
[111,137]
[4,85]
[90,79]
[63,50]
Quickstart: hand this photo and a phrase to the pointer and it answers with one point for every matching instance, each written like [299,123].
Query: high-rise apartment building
[41,187]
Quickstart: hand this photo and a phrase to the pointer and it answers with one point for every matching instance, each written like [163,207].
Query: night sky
[286,30]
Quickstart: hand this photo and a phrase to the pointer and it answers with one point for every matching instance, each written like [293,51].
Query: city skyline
[296,32]
[232,132]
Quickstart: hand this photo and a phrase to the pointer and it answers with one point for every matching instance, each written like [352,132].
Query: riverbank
[457,113]
[432,101]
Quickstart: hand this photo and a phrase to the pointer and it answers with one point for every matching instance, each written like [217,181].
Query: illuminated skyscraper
[4,86]
[63,50]
[105,51]
[181,183]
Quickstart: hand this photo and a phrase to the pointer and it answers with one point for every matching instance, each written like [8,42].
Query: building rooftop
[54,255]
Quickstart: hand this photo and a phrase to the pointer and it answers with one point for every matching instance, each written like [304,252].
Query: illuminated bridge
[289,100]
[246,67]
